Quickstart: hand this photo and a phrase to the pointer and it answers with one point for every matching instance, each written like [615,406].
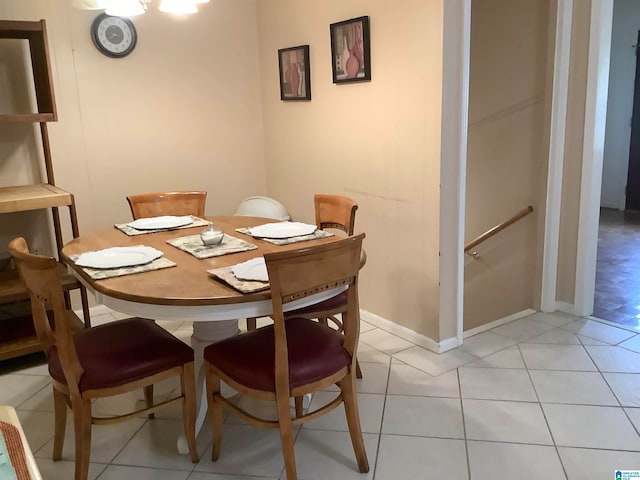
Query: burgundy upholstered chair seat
[315,352]
[121,352]
[332,304]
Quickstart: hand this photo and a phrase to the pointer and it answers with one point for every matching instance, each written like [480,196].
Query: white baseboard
[408,334]
[498,322]
[565,307]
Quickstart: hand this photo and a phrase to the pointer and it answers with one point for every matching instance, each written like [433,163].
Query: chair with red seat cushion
[103,361]
[334,212]
[294,356]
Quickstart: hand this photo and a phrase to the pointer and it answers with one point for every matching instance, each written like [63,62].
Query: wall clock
[113,36]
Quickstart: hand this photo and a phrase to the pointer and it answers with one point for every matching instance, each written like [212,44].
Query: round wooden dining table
[185,291]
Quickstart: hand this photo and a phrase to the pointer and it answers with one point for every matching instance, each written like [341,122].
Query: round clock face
[113,36]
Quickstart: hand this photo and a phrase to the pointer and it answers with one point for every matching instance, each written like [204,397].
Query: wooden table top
[187,284]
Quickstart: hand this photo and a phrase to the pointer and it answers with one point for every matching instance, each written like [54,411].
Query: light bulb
[123,8]
[178,7]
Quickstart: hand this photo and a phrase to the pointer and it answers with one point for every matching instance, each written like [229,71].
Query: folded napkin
[286,241]
[225,274]
[193,244]
[125,228]
[101,273]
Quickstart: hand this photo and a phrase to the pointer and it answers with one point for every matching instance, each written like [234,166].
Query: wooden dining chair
[334,212]
[145,205]
[294,356]
[102,361]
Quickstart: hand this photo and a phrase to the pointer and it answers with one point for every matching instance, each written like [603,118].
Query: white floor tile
[496,384]
[556,357]
[516,422]
[325,455]
[524,462]
[154,445]
[591,427]
[583,463]
[557,319]
[558,336]
[17,388]
[369,405]
[523,329]
[590,341]
[485,344]
[216,476]
[614,359]
[366,353]
[424,416]
[64,469]
[365,326]
[119,472]
[407,380]
[599,331]
[626,386]
[631,344]
[42,401]
[586,388]
[246,450]
[384,341]
[421,458]
[634,416]
[374,379]
[106,440]
[507,358]
[432,363]
[38,427]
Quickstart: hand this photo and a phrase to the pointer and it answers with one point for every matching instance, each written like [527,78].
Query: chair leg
[60,409]
[82,429]
[286,436]
[251,324]
[358,371]
[148,399]
[349,395]
[188,381]
[298,403]
[215,410]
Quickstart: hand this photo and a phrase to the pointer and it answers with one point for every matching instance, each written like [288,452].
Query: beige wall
[377,142]
[507,153]
[182,111]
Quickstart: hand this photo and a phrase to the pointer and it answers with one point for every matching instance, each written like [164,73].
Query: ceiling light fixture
[131,8]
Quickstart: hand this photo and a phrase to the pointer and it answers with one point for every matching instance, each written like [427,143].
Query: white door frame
[601,25]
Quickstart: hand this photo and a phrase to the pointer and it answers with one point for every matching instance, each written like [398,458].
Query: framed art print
[351,50]
[295,79]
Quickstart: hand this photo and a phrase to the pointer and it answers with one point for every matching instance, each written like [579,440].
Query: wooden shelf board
[12,289]
[32,197]
[18,337]
[27,117]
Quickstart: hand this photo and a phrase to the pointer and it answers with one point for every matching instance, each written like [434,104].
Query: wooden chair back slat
[154,204]
[335,211]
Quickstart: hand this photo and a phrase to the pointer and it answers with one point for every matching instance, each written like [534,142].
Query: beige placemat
[15,449]
[193,244]
[125,228]
[102,273]
[286,241]
[245,286]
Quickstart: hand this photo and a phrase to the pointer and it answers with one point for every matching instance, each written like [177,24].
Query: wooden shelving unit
[17,336]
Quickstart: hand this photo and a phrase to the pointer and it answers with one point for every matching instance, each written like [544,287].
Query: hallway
[617,291]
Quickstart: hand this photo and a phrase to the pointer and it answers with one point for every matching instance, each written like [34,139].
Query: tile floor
[542,398]
[617,292]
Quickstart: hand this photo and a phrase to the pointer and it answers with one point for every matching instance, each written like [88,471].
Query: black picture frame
[350,40]
[295,73]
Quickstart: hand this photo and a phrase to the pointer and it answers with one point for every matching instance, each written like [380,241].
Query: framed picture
[295,80]
[351,50]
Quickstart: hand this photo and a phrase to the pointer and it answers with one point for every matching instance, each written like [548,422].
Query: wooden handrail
[498,228]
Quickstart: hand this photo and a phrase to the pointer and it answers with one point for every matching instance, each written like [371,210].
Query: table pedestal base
[206,333]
